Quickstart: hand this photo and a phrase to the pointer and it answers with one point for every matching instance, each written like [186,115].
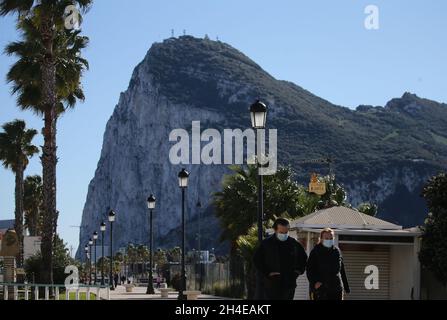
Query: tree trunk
[49,159]
[32,217]
[32,221]
[18,224]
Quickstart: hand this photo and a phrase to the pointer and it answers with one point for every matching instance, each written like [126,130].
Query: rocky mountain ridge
[379,152]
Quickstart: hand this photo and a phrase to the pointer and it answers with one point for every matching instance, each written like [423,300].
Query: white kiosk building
[365,241]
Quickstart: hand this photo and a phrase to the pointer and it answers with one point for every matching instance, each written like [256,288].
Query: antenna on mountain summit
[172,33]
[184,32]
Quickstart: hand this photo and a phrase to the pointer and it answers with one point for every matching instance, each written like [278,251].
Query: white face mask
[282,236]
[328,243]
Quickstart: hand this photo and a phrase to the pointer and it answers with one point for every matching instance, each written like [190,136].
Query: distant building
[31,245]
[5,225]
[203,256]
[366,241]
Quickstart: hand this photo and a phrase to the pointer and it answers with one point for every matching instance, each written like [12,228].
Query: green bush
[61,259]
[433,253]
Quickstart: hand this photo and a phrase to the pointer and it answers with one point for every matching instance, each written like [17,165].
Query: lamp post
[103,230]
[199,235]
[112,215]
[90,244]
[183,184]
[87,256]
[258,113]
[199,227]
[95,238]
[151,206]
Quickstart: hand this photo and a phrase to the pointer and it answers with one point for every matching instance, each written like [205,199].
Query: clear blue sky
[320,45]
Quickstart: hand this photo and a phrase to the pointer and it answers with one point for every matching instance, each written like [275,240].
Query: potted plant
[129,286]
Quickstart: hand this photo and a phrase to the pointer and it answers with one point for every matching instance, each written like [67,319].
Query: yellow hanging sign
[316,186]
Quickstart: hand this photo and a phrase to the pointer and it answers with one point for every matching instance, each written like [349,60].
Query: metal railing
[31,291]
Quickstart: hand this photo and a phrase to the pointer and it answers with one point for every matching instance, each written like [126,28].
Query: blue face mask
[282,236]
[328,243]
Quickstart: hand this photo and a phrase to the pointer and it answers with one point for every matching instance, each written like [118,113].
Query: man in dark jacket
[280,259]
[326,271]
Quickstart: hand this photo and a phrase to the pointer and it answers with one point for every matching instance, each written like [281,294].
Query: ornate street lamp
[258,114]
[183,177]
[199,243]
[103,230]
[87,258]
[151,206]
[95,238]
[90,244]
[112,215]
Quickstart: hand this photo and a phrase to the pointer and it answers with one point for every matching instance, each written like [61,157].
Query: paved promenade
[139,293]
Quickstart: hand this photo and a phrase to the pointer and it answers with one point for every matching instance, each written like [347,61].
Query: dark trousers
[276,288]
[324,294]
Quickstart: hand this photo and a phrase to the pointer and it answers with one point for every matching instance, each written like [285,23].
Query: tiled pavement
[139,293]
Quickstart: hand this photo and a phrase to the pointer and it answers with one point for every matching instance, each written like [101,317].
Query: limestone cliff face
[135,162]
[398,193]
[378,151]
[383,186]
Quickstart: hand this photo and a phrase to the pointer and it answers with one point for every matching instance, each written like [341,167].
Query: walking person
[326,270]
[116,279]
[280,259]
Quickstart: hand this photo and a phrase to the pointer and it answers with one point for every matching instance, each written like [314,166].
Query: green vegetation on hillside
[365,142]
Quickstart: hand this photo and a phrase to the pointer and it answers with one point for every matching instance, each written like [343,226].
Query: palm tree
[119,261]
[46,75]
[104,264]
[131,255]
[237,202]
[15,150]
[246,247]
[160,259]
[335,195]
[174,255]
[33,202]
[236,207]
[143,255]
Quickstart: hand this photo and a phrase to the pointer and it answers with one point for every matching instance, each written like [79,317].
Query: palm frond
[15,6]
[25,74]
[16,144]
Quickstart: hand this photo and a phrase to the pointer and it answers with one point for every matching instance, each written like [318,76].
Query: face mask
[282,236]
[328,243]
